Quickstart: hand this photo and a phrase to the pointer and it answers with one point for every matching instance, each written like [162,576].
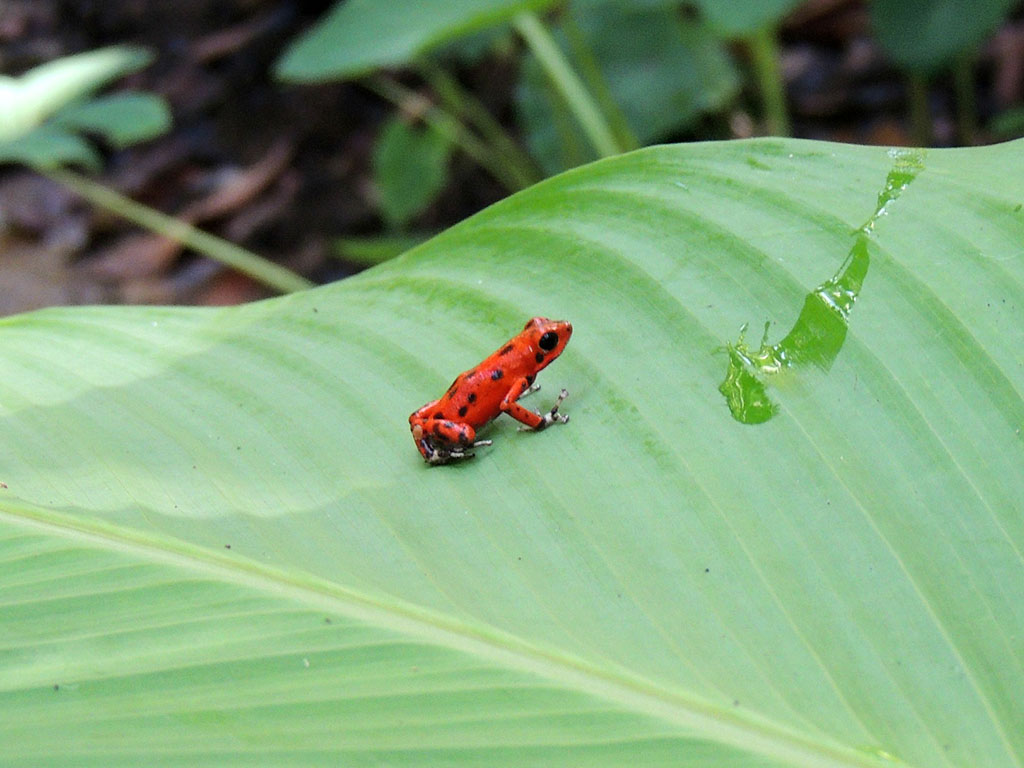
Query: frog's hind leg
[442,441]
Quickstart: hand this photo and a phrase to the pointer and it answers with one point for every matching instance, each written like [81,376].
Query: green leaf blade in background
[925,35]
[410,167]
[744,19]
[639,51]
[122,119]
[50,147]
[28,100]
[357,37]
[45,108]
[653,582]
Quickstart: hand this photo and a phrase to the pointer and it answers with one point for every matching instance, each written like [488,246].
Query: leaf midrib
[630,692]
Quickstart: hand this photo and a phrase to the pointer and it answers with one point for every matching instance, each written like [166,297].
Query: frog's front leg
[531,419]
[529,391]
[441,441]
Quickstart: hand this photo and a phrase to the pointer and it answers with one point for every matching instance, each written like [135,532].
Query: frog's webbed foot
[552,416]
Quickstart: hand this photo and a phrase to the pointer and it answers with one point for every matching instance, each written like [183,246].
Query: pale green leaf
[122,119]
[49,147]
[26,101]
[651,584]
[42,111]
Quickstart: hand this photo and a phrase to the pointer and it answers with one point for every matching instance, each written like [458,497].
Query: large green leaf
[218,545]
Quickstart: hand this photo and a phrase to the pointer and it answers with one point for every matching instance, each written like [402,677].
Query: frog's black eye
[548,341]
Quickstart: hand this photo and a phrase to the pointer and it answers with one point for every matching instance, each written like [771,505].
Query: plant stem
[568,84]
[572,147]
[920,114]
[591,71]
[457,100]
[446,125]
[966,106]
[764,49]
[218,249]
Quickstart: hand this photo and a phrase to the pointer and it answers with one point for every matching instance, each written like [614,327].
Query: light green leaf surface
[358,36]
[653,583]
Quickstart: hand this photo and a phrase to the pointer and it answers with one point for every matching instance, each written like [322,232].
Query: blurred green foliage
[409,168]
[926,35]
[660,69]
[359,36]
[598,77]
[47,110]
[739,19]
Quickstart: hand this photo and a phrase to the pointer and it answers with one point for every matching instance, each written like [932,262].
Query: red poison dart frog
[445,429]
